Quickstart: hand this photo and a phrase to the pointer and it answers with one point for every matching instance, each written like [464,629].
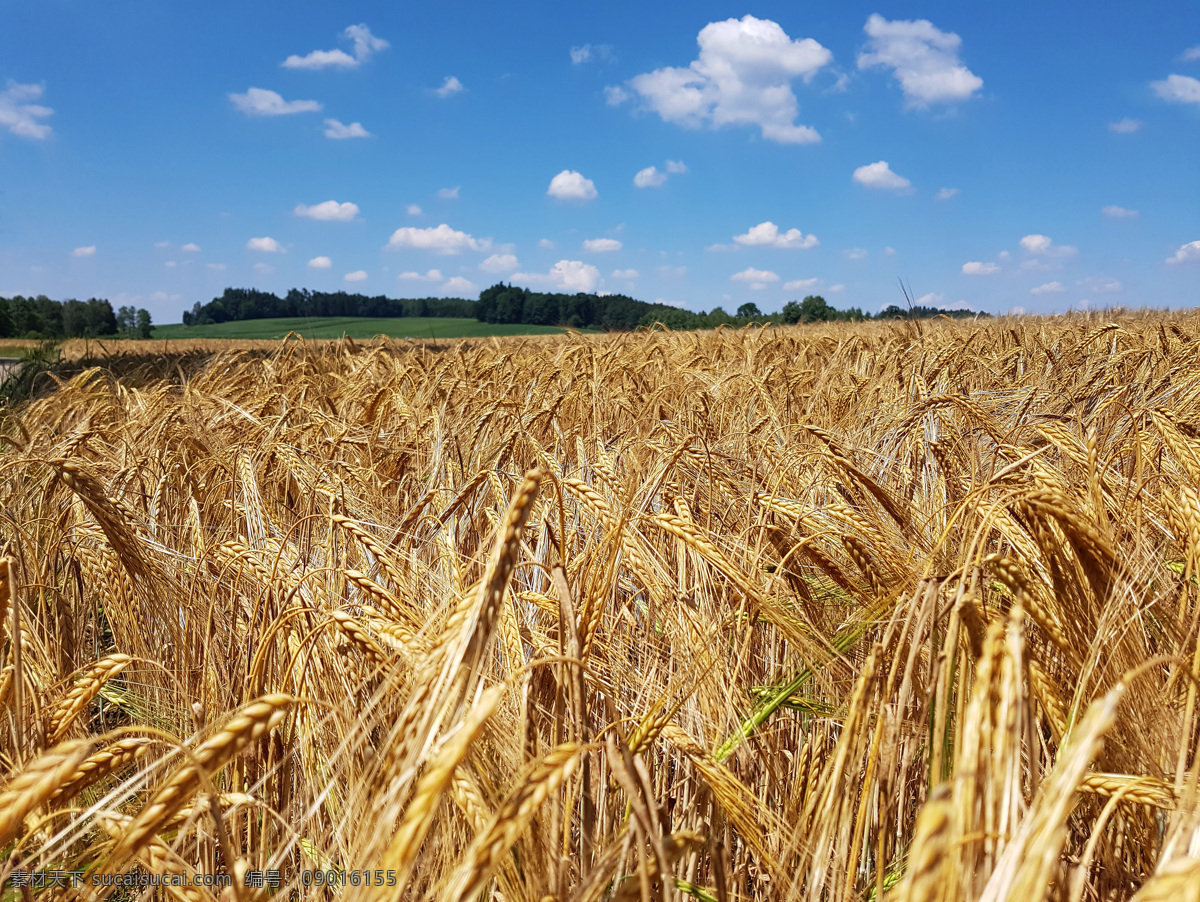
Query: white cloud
[801,284]
[434,275]
[1119,212]
[264,269]
[546,244]
[320,263]
[758,278]
[87,251]
[340,131]
[624,273]
[975,268]
[1178,89]
[601,53]
[1101,285]
[890,251]
[615,95]
[191,248]
[413,210]
[601,245]
[450,87]
[20,116]
[1187,253]
[837,289]
[359,275]
[328,211]
[170,264]
[676,167]
[720,248]
[364,43]
[460,285]
[1048,288]
[269,245]
[500,263]
[650,177]
[565,275]
[742,76]
[1191,54]
[1003,255]
[946,193]
[923,59]
[1041,245]
[930,300]
[448,193]
[855,253]
[162,244]
[570,185]
[217,267]
[441,240]
[1125,126]
[767,234]
[880,175]
[671,272]
[261,102]
[1015,311]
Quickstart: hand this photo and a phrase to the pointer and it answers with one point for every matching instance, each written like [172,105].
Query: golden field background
[849,613]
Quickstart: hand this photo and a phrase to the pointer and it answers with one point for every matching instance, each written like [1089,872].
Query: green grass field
[352,326]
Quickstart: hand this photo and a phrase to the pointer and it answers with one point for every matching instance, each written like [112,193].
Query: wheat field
[852,612]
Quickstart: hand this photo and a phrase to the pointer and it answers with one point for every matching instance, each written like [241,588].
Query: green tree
[791,312]
[813,309]
[143,323]
[749,310]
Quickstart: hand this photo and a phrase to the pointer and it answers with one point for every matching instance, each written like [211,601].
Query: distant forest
[40,317]
[510,304]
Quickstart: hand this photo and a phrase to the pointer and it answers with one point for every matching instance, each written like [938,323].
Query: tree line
[503,303]
[249,303]
[42,318]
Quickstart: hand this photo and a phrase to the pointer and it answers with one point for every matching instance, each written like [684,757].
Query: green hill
[351,326]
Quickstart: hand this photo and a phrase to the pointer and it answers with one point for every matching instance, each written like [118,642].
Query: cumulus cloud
[434,275]
[328,211]
[767,234]
[500,263]
[440,240]
[1119,212]
[1125,126]
[742,76]
[1178,89]
[19,115]
[650,177]
[413,209]
[546,244]
[946,193]
[363,45]
[448,193]
[86,251]
[340,131]
[1101,285]
[1042,246]
[615,95]
[566,275]
[460,285]
[191,248]
[1191,55]
[757,278]
[571,185]
[676,167]
[1187,253]
[855,253]
[1015,311]
[880,175]
[266,244]
[624,273]
[261,102]
[923,59]
[600,53]
[801,284]
[320,263]
[975,268]
[601,245]
[450,87]
[1048,288]
[359,275]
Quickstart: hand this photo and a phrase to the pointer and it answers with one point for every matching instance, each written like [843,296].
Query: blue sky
[1018,155]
